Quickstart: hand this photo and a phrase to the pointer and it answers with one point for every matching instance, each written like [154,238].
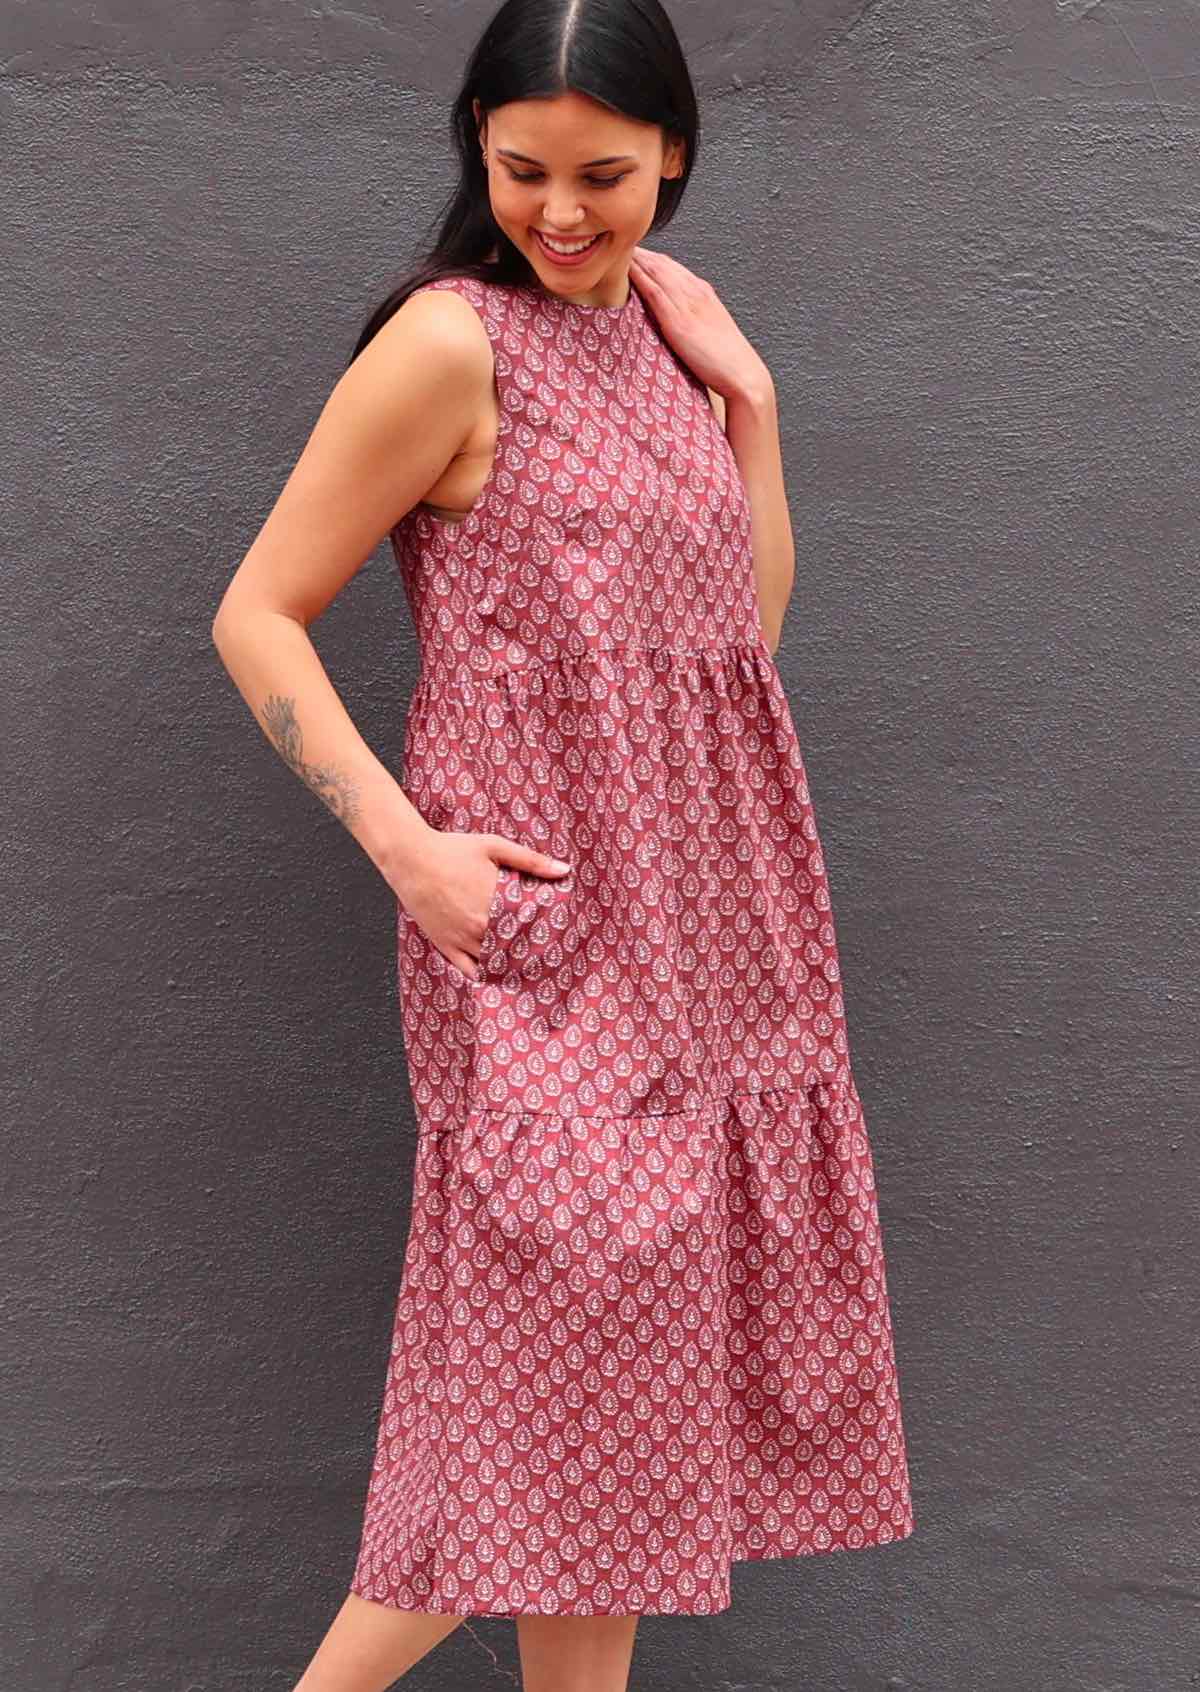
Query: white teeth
[566,247]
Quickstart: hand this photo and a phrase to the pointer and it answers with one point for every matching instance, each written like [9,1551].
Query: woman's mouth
[568,253]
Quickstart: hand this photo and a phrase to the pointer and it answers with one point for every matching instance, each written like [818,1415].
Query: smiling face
[571,170]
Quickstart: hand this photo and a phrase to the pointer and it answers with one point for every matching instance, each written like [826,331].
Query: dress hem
[768,1553]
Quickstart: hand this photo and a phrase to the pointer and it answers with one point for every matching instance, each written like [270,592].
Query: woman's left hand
[696,324]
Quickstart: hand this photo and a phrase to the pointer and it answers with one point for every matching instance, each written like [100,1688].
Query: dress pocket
[488,944]
[527,927]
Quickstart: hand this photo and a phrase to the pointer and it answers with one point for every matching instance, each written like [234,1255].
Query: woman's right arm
[395,419]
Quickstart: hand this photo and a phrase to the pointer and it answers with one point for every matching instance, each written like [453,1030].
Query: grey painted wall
[965,238]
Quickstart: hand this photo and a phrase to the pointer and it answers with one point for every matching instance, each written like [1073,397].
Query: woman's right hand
[447,888]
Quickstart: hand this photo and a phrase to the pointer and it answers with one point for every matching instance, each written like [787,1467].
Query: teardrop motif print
[642,1330]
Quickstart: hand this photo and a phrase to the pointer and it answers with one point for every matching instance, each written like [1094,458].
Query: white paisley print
[642,1330]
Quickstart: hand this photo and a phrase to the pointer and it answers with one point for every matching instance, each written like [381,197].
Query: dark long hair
[623,53]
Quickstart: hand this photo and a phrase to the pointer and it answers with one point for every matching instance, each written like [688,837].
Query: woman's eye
[596,181]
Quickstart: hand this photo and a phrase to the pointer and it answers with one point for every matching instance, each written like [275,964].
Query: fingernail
[558,864]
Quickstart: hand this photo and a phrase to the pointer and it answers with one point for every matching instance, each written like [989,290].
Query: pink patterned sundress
[642,1330]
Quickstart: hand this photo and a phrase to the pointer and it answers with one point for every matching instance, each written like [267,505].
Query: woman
[643,1329]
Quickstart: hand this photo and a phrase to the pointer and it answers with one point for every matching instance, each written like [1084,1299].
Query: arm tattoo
[334,789]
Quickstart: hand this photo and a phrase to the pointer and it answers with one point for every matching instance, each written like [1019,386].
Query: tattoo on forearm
[336,790]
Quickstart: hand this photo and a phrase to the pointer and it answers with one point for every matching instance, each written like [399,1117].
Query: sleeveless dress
[642,1329]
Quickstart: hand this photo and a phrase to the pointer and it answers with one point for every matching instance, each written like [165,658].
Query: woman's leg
[575,1653]
[368,1646]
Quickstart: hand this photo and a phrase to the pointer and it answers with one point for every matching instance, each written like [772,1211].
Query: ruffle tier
[630,1351]
[689,954]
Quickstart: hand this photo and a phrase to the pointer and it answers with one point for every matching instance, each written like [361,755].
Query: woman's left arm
[696,323]
[752,425]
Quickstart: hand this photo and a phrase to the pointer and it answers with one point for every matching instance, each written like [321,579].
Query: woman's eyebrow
[614,158]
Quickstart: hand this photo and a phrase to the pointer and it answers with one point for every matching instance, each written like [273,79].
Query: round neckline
[540,293]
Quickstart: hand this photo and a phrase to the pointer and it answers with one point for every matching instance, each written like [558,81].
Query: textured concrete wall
[964,236]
